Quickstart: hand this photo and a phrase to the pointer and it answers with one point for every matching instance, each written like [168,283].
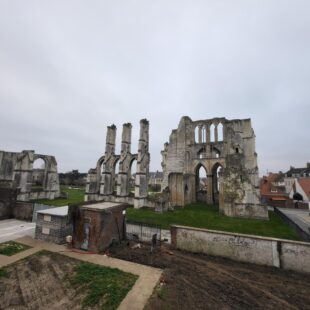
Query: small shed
[97,225]
[53,225]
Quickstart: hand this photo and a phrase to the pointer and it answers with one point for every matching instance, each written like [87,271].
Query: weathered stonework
[16,172]
[101,181]
[236,189]
[53,226]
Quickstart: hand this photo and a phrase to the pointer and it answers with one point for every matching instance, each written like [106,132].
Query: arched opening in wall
[197,129]
[201,183]
[216,153]
[212,133]
[220,134]
[216,180]
[201,153]
[132,177]
[115,176]
[38,175]
[298,197]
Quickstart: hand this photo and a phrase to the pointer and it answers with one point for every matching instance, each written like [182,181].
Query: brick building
[97,225]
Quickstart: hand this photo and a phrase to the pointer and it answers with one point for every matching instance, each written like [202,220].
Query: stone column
[107,177]
[124,163]
[143,163]
[216,136]
[207,134]
[209,189]
[200,134]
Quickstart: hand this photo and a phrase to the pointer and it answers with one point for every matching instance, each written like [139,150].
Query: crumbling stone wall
[100,184]
[238,193]
[16,172]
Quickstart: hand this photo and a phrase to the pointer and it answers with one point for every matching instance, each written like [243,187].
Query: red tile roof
[305,185]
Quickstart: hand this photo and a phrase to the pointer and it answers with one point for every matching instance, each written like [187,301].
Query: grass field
[203,216]
[75,195]
[10,248]
[107,286]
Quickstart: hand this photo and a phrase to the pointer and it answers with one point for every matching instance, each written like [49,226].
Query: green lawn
[104,286]
[75,195]
[203,216]
[10,248]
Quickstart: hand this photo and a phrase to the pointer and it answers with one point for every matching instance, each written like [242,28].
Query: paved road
[299,217]
[12,229]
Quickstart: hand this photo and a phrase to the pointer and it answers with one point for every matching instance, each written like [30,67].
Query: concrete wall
[23,210]
[278,253]
[301,233]
[7,202]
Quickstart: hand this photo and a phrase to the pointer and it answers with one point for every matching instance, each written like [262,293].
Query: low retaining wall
[23,210]
[286,254]
[301,233]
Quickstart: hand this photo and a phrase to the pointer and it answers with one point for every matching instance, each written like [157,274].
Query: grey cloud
[71,68]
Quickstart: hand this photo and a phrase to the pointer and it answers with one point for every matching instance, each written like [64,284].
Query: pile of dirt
[196,281]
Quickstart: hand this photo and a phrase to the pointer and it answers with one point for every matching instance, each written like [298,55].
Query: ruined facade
[102,181]
[226,150]
[16,172]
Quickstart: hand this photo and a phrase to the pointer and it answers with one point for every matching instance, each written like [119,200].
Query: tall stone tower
[126,158]
[108,171]
[142,175]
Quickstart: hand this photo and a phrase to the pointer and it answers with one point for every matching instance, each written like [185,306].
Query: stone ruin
[102,182]
[226,150]
[17,173]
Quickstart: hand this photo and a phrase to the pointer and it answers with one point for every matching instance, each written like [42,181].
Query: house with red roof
[272,189]
[301,190]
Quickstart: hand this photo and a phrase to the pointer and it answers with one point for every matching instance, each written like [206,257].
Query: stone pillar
[209,189]
[107,177]
[124,163]
[143,163]
[207,134]
[216,136]
[199,134]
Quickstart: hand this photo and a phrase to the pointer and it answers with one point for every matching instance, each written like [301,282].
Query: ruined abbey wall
[16,172]
[198,143]
[102,181]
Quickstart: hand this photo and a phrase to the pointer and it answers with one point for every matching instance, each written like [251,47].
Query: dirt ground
[37,283]
[195,281]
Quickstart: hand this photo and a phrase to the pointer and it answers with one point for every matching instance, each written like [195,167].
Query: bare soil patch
[49,280]
[196,281]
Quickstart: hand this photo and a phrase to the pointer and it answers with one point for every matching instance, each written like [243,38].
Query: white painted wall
[286,254]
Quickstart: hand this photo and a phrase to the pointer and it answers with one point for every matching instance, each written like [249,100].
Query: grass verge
[75,195]
[10,248]
[208,216]
[104,286]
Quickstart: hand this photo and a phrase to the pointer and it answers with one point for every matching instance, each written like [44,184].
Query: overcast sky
[68,69]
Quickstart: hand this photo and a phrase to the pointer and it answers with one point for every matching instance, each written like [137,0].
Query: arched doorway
[216,182]
[38,175]
[201,186]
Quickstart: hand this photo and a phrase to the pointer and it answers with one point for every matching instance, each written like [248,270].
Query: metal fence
[143,232]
